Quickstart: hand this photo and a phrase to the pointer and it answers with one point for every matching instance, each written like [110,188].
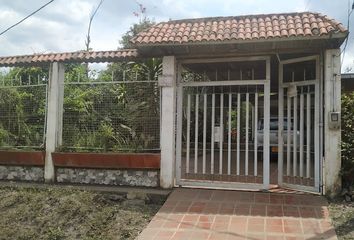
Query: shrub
[347,145]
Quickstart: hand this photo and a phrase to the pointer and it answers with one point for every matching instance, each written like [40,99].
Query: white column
[332,136]
[54,117]
[167,82]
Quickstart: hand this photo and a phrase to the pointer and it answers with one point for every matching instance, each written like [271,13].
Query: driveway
[192,214]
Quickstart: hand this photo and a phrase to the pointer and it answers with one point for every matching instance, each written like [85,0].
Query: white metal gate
[220,143]
[299,124]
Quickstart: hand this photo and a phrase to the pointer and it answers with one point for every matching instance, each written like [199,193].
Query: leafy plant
[348,139]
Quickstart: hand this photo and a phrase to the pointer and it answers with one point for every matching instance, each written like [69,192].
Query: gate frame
[317,123]
[179,119]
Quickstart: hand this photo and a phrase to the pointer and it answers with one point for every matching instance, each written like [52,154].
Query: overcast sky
[62,25]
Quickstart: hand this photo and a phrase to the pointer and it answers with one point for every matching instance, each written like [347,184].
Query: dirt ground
[55,214]
[342,215]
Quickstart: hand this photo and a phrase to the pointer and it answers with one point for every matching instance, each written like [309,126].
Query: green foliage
[114,116]
[120,116]
[348,138]
[23,76]
[134,30]
[22,109]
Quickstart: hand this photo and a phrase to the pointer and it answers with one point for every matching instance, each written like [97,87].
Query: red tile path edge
[193,214]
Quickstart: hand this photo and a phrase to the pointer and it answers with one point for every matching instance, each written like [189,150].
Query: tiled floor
[193,214]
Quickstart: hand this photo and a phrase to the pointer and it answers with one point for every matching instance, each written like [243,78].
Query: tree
[134,30]
[88,36]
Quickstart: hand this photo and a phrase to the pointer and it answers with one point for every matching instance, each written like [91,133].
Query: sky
[62,25]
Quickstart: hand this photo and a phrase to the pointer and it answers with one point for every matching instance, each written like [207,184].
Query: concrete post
[167,82]
[332,133]
[54,117]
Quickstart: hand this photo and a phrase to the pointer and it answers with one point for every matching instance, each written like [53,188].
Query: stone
[347,198]
[115,197]
[108,177]
[344,192]
[136,195]
[152,174]
[34,174]
[134,202]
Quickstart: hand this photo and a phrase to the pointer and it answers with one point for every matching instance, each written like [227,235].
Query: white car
[273,133]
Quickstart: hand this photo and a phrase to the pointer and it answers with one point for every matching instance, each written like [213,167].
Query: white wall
[167,82]
[332,137]
[54,116]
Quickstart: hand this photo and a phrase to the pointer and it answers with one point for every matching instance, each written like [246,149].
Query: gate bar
[301,135]
[238,132]
[255,133]
[317,136]
[281,128]
[196,134]
[221,131]
[212,133]
[223,83]
[246,134]
[188,130]
[295,138]
[204,131]
[308,133]
[288,138]
[229,138]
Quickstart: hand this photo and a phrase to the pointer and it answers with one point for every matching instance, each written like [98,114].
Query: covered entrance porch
[233,130]
[249,102]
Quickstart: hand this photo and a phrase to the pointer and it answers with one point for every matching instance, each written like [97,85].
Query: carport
[249,102]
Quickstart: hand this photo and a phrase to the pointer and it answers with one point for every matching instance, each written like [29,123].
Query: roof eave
[335,36]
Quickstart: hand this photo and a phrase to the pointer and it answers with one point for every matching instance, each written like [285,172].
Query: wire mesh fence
[100,113]
[111,116]
[22,113]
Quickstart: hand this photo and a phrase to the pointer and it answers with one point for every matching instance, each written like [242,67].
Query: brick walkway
[192,214]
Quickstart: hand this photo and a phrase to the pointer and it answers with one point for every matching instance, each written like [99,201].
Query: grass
[55,214]
[342,215]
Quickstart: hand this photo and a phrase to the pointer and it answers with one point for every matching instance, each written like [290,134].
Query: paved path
[193,214]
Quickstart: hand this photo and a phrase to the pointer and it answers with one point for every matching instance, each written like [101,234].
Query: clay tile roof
[252,27]
[69,57]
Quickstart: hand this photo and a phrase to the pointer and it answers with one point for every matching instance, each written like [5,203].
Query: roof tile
[92,56]
[251,27]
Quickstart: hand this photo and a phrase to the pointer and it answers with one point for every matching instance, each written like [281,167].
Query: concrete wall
[167,82]
[332,136]
[141,178]
[22,173]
